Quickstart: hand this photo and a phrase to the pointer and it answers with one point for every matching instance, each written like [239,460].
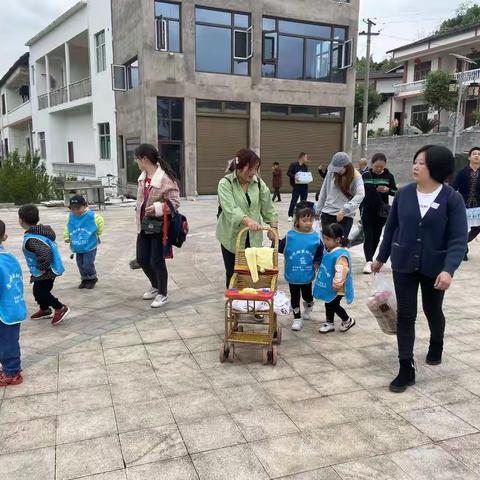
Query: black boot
[405,377]
[434,355]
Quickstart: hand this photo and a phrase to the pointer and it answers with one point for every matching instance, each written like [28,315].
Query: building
[202,79]
[73,105]
[15,110]
[436,53]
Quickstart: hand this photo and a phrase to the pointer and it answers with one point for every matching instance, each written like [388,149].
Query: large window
[127,76]
[302,111]
[100,51]
[168,27]
[223,41]
[104,138]
[133,172]
[421,71]
[305,51]
[418,113]
[43,148]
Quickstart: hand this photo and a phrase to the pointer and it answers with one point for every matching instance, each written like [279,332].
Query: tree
[437,93]
[384,66]
[468,13]
[374,101]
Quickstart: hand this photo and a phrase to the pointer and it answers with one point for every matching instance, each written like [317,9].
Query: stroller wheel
[277,336]
[224,352]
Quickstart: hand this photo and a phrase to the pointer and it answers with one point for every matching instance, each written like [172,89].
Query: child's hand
[316,267]
[67,240]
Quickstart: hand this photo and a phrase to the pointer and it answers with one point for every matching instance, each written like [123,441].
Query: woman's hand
[377,266]
[271,235]
[443,281]
[383,189]
[150,211]
[340,216]
[252,224]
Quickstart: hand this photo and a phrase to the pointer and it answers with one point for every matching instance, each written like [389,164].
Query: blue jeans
[10,348]
[86,264]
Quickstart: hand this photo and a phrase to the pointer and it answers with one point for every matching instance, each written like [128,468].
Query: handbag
[151,225]
[383,209]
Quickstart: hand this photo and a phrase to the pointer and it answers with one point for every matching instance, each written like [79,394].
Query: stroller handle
[244,230]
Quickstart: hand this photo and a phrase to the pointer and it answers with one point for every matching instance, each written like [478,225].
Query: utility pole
[366,86]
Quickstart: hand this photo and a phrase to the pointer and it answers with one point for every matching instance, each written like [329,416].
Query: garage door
[218,139]
[283,140]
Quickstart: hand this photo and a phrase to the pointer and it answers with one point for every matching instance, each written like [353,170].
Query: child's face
[23,224]
[330,243]
[305,224]
[77,211]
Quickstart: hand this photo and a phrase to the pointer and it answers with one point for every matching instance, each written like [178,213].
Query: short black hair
[29,214]
[335,230]
[276,163]
[3,229]
[379,156]
[301,154]
[472,149]
[304,209]
[440,161]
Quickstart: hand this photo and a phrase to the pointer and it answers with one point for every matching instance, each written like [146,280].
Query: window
[133,172]
[302,111]
[121,151]
[305,51]
[167,27]
[125,77]
[32,74]
[100,50]
[421,71]
[4,105]
[71,157]
[419,112]
[224,41]
[43,148]
[227,108]
[6,147]
[104,136]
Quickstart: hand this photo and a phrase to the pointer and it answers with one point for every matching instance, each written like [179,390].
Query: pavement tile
[332,383]
[290,389]
[468,411]
[466,449]
[33,464]
[166,349]
[82,377]
[411,399]
[82,399]
[147,415]
[33,385]
[360,404]
[133,393]
[176,469]
[229,376]
[244,397]
[132,353]
[74,361]
[309,364]
[116,475]
[182,383]
[378,468]
[196,405]
[266,373]
[123,339]
[21,409]
[326,473]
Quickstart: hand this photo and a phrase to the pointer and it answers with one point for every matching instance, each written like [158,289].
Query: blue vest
[56,266]
[323,288]
[12,305]
[300,249]
[83,232]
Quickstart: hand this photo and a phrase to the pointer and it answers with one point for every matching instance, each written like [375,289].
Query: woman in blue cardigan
[426,239]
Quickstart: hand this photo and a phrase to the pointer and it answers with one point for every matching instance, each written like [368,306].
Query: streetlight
[460,94]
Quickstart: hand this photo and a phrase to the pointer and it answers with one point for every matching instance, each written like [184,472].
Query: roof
[380,75]
[21,62]
[437,36]
[62,18]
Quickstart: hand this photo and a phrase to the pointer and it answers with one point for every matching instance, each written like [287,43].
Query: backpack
[219,211]
[178,227]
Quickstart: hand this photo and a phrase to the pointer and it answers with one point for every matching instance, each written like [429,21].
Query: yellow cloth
[259,258]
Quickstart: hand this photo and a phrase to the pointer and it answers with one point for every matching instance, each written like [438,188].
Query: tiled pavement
[120,391]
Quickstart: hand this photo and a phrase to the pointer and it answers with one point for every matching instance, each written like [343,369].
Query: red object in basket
[235,294]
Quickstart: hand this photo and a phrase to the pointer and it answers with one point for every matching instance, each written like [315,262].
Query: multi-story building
[15,109]
[203,78]
[437,52]
[73,105]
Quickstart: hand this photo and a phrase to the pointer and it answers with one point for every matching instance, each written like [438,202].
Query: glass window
[268,71]
[172,154]
[418,113]
[241,20]
[335,112]
[214,49]
[133,76]
[338,73]
[317,61]
[300,111]
[305,29]
[167,27]
[173,36]
[43,148]
[290,58]
[421,71]
[176,132]
[167,10]
[100,51]
[339,33]
[133,172]
[269,24]
[176,109]
[104,136]
[272,109]
[209,106]
[4,105]
[213,16]
[236,107]
[121,151]
[170,118]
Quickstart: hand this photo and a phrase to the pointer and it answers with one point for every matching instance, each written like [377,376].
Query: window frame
[319,115]
[126,70]
[162,29]
[43,145]
[70,152]
[415,115]
[105,139]
[101,52]
[4,104]
[420,74]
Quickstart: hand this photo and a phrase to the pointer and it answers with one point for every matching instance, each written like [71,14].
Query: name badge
[435,205]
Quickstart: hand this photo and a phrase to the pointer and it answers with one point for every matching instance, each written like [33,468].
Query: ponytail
[334,231]
[148,151]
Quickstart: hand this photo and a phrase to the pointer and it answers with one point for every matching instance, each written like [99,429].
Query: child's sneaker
[60,315]
[6,380]
[41,314]
[327,327]
[345,326]
[307,310]
[159,301]
[297,324]
[150,294]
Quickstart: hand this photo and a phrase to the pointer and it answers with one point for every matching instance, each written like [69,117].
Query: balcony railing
[409,88]
[43,101]
[11,110]
[468,76]
[76,169]
[80,89]
[58,96]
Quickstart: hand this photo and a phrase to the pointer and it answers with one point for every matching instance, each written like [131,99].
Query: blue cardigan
[429,245]
[462,184]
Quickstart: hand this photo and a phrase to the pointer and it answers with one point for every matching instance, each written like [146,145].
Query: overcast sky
[400,22]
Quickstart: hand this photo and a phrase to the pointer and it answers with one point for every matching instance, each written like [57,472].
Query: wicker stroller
[266,333]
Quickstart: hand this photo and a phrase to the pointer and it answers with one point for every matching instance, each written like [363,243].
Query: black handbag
[383,209]
[151,225]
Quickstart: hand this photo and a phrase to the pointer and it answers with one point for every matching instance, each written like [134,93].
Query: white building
[435,53]
[73,105]
[15,109]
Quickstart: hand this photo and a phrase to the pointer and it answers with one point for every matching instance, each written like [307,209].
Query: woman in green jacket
[245,201]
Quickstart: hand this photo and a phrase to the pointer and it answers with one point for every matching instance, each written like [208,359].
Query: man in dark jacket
[299,190]
[467,183]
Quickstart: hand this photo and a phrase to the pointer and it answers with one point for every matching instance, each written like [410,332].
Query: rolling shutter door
[283,140]
[218,139]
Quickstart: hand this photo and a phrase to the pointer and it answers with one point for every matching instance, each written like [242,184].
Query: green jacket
[234,205]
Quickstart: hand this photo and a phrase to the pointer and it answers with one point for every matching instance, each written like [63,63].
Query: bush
[25,180]
[426,125]
[371,132]
[380,132]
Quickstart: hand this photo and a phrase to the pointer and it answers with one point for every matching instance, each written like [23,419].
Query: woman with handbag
[156,185]
[341,194]
[379,186]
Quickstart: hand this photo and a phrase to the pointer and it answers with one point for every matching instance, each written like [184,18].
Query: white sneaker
[307,310]
[367,269]
[159,301]
[150,294]
[290,219]
[347,325]
[297,324]
[326,328]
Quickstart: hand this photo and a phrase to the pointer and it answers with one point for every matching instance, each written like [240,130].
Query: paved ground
[120,391]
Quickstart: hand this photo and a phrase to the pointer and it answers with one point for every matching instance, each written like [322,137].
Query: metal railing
[18,106]
[75,169]
[468,76]
[43,101]
[410,87]
[58,96]
[80,89]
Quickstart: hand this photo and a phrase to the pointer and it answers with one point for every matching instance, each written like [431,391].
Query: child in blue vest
[44,262]
[334,279]
[12,312]
[83,231]
[303,250]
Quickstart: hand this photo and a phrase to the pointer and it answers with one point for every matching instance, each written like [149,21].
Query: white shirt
[426,200]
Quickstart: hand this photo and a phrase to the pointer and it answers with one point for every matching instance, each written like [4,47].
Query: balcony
[411,89]
[468,76]
[80,89]
[75,169]
[59,96]
[19,113]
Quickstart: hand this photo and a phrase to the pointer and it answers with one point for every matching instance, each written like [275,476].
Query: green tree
[374,101]
[383,66]
[468,13]
[25,180]
[437,94]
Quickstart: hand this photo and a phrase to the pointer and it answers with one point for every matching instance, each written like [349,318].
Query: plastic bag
[301,178]
[383,304]
[356,235]
[281,303]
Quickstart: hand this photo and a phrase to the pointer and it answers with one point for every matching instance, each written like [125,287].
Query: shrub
[426,125]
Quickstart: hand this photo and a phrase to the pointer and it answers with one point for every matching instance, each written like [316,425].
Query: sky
[399,21]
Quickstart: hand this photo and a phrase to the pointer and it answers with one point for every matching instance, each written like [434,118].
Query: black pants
[229,260]
[151,260]
[297,290]
[276,195]
[346,223]
[299,191]
[473,233]
[406,289]
[42,292]
[372,230]
[333,308]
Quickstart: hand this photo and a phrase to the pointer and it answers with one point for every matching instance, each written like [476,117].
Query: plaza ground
[121,391]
